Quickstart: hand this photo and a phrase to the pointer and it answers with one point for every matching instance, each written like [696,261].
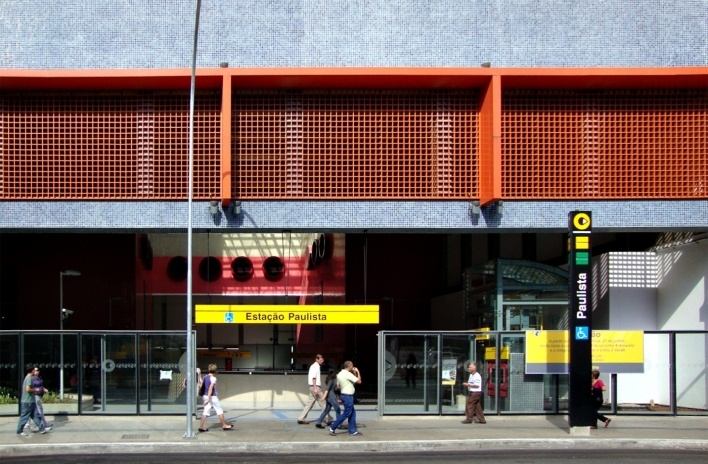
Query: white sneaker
[23,434]
[46,430]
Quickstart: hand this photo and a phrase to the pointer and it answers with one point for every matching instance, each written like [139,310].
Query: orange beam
[107,79]
[171,79]
[226,175]
[490,142]
[604,78]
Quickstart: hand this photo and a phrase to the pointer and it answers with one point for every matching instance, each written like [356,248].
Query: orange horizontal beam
[107,79]
[172,79]
[605,78]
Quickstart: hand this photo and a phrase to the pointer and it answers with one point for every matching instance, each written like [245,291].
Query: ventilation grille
[108,146]
[355,144]
[633,270]
[614,144]
[365,144]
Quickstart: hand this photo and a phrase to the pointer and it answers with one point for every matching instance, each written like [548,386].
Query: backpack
[201,391]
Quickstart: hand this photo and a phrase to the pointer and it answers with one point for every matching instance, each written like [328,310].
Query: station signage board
[580,412]
[286,314]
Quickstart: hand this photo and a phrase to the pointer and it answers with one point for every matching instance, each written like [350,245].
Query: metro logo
[581,221]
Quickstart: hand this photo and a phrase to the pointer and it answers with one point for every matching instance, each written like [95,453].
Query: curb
[192,447]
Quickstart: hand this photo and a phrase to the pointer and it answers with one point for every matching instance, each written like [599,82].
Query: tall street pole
[190,343]
[61,335]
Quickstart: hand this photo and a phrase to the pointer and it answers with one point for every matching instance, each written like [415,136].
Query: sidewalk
[277,431]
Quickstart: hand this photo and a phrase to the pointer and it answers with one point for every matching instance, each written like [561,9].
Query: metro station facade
[326,173]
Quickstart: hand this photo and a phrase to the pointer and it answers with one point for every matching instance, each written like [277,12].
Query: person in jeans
[314,381]
[347,377]
[28,408]
[38,387]
[330,397]
[473,407]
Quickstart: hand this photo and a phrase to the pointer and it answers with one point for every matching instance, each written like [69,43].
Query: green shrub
[8,396]
[54,398]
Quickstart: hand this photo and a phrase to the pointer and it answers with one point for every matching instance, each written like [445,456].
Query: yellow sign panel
[547,347]
[616,346]
[582,242]
[618,351]
[482,337]
[287,314]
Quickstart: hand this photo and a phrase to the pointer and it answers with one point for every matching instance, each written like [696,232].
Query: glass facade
[515,295]
[97,373]
[421,373]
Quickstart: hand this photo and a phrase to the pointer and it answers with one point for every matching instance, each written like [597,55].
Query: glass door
[110,373]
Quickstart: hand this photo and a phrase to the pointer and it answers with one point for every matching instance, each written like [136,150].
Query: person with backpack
[211,400]
[331,397]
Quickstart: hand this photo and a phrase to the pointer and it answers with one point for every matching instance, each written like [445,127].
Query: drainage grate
[135,436]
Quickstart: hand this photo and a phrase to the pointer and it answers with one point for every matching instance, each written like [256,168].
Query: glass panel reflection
[412,386]
[691,378]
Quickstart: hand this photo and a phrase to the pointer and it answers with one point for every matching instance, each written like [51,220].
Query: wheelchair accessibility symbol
[582,333]
[228,317]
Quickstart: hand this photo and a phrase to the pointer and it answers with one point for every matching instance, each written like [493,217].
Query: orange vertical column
[226,127]
[490,142]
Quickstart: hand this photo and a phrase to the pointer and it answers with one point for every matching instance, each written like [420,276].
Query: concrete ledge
[580,431]
[200,447]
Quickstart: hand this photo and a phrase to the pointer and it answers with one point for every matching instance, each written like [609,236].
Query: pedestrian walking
[38,387]
[597,388]
[347,378]
[473,406]
[331,398]
[314,382]
[211,400]
[28,408]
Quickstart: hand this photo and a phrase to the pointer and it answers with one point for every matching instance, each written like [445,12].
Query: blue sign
[229,318]
[582,333]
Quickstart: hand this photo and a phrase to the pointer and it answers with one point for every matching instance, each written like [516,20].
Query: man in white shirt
[314,381]
[347,378]
[473,408]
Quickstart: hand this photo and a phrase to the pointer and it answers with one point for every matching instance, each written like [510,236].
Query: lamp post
[63,314]
[191,362]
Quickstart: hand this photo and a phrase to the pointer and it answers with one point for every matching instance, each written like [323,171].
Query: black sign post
[580,411]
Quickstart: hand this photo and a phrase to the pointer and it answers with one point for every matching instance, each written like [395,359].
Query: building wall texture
[144,34]
[117,34]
